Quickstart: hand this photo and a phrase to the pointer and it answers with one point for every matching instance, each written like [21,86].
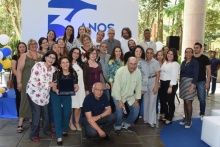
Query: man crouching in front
[97,111]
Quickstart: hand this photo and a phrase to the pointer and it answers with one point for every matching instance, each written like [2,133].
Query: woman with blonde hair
[25,64]
[86,45]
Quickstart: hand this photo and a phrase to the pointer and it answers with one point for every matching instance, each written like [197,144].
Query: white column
[193,23]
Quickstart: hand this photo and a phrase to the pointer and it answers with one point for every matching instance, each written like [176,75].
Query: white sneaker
[201,117]
[152,125]
[187,127]
[182,122]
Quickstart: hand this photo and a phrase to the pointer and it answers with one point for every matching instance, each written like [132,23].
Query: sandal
[19,129]
[78,127]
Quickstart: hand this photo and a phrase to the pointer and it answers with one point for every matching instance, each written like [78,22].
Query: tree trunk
[160,21]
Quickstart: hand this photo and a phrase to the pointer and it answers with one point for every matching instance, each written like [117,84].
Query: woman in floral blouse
[38,92]
[115,62]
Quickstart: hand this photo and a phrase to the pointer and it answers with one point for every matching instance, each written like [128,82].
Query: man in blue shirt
[215,65]
[97,111]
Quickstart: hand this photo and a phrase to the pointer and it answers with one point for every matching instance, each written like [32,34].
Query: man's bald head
[132,64]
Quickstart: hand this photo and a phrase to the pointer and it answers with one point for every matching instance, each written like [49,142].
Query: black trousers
[106,122]
[167,99]
[18,95]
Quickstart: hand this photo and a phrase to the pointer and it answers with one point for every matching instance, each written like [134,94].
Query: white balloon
[1,55]
[0,94]
[159,45]
[4,39]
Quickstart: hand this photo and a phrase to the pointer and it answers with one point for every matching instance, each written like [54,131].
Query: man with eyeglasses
[97,111]
[111,41]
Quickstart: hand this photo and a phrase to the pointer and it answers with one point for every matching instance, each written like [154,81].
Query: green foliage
[175,12]
[10,19]
[148,14]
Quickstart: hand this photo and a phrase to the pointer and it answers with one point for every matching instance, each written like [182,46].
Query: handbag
[10,83]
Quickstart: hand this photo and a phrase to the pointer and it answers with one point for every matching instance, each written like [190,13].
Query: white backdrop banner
[39,16]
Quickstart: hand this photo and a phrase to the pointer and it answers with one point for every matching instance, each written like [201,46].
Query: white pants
[150,103]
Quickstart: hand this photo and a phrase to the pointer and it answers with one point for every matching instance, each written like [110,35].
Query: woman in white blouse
[168,79]
[38,92]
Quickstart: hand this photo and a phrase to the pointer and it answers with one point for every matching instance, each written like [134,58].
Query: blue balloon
[5,94]
[5,88]
[6,52]
[1,67]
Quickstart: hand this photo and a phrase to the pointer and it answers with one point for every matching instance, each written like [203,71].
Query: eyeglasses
[51,58]
[33,43]
[99,90]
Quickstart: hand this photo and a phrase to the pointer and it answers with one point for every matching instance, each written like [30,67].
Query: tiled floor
[143,135]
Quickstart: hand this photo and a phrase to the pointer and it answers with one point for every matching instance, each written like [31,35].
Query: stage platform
[8,105]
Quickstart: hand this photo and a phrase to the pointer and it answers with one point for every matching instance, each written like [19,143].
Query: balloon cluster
[6,51]
[3,92]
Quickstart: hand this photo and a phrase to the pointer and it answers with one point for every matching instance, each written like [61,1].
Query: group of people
[102,71]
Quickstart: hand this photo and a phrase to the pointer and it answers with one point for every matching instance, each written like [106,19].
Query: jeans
[213,82]
[201,92]
[50,107]
[37,111]
[106,122]
[133,114]
[107,93]
[61,114]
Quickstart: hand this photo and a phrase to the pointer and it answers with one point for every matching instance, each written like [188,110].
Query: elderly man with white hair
[97,111]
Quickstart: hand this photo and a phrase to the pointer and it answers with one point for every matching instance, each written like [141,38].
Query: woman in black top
[21,48]
[62,104]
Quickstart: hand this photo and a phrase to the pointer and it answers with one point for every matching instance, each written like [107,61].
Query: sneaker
[187,127]
[152,125]
[129,129]
[201,117]
[182,122]
[35,139]
[140,116]
[117,132]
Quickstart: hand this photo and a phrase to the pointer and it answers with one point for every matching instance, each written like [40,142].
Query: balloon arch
[5,62]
